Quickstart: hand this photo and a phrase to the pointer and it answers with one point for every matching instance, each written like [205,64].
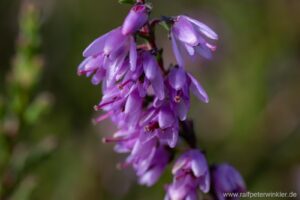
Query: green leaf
[131,2]
[165,25]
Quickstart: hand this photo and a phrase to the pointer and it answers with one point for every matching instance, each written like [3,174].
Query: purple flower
[153,74]
[193,35]
[125,139]
[109,55]
[190,174]
[149,159]
[162,123]
[135,19]
[226,178]
[179,85]
[146,102]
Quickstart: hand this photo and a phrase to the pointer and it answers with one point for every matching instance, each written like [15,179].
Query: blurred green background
[252,120]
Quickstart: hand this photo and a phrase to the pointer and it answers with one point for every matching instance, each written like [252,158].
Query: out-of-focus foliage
[252,120]
[21,110]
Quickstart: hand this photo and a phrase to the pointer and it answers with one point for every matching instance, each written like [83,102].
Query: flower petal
[96,46]
[150,177]
[133,54]
[133,103]
[204,28]
[184,31]
[182,109]
[114,41]
[199,165]
[169,137]
[177,78]
[204,51]
[158,86]
[150,65]
[99,76]
[176,51]
[190,49]
[166,117]
[135,19]
[198,90]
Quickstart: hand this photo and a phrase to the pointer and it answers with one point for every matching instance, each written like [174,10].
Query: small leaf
[165,25]
[166,22]
[131,2]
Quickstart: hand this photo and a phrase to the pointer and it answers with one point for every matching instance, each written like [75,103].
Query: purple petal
[205,183]
[204,28]
[180,163]
[166,118]
[114,41]
[133,103]
[150,65]
[176,51]
[184,30]
[198,90]
[190,49]
[191,196]
[96,46]
[99,76]
[158,86]
[151,176]
[169,137]
[180,188]
[157,103]
[177,78]
[204,51]
[182,109]
[133,54]
[199,165]
[135,19]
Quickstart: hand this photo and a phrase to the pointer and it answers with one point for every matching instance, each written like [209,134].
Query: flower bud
[135,20]
[226,179]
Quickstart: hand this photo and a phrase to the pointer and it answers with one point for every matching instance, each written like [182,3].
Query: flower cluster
[149,103]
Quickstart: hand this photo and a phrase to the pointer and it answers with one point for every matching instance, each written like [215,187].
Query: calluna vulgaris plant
[149,102]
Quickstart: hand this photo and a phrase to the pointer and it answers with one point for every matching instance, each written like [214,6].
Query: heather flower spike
[149,103]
